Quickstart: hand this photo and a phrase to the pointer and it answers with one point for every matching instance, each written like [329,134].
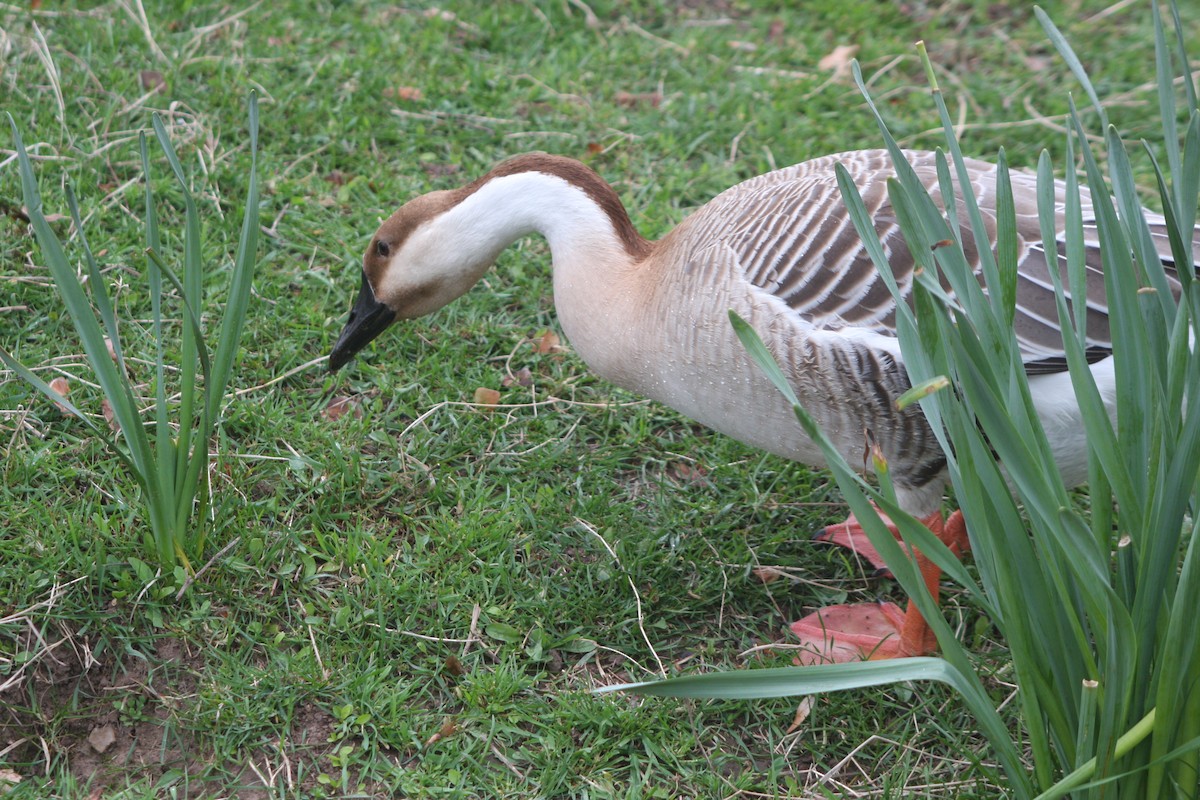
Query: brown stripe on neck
[578,174]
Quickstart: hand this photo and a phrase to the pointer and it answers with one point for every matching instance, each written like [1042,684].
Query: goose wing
[793,239]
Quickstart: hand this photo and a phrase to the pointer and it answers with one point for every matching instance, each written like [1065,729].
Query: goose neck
[577,226]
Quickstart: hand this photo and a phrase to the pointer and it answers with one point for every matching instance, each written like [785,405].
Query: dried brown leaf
[1037,64]
[767,574]
[802,712]
[683,472]
[63,387]
[449,728]
[340,406]
[486,397]
[632,99]
[153,80]
[454,666]
[549,343]
[109,417]
[439,169]
[24,213]
[407,93]
[102,738]
[838,60]
[523,377]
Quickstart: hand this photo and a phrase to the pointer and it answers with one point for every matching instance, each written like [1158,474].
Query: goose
[780,250]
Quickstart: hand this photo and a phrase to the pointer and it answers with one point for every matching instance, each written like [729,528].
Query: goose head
[437,246]
[417,262]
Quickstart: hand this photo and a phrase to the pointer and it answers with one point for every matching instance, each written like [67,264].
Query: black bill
[368,319]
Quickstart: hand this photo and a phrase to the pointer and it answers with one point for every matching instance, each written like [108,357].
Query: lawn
[406,593]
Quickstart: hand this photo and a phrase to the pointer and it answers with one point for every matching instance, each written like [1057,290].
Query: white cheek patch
[428,271]
[407,267]
[388,283]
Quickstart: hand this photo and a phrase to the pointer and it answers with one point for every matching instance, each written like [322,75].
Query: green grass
[386,576]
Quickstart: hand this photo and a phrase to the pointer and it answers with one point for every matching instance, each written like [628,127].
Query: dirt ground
[104,717]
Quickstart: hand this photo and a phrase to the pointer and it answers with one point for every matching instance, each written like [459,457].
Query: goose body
[778,249]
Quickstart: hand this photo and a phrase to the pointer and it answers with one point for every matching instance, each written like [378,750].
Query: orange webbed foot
[850,535]
[872,631]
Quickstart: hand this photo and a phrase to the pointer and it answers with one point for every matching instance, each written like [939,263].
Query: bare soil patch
[111,717]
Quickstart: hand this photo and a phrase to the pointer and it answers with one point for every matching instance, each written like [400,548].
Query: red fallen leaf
[767,574]
[409,93]
[338,407]
[595,148]
[549,343]
[631,99]
[109,417]
[486,397]
[153,80]
[63,387]
[449,728]
[523,378]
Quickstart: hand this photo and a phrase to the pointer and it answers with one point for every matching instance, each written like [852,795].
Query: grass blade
[1076,66]
[192,343]
[243,277]
[758,684]
[112,381]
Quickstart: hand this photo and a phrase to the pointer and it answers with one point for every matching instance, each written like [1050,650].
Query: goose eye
[381,247]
